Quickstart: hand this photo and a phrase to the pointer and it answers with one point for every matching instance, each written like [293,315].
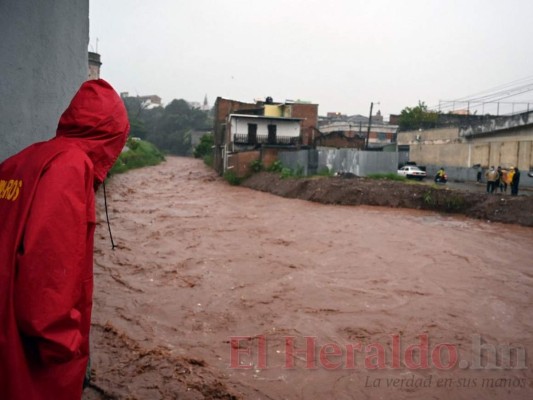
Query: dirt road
[212,288]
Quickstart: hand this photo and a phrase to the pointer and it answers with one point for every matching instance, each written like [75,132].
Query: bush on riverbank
[137,154]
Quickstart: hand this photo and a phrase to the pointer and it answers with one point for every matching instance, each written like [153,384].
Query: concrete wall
[495,124]
[361,163]
[516,134]
[432,136]
[465,155]
[463,174]
[454,173]
[446,147]
[358,162]
[503,141]
[43,62]
[455,154]
[296,160]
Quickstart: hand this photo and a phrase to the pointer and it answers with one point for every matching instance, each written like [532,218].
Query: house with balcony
[246,132]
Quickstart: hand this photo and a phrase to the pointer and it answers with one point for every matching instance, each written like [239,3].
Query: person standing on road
[492,176]
[479,173]
[515,182]
[47,212]
[510,175]
[501,183]
[504,180]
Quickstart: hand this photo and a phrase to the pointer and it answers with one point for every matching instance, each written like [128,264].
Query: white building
[250,130]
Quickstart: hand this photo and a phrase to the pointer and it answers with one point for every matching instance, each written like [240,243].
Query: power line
[491,97]
[497,88]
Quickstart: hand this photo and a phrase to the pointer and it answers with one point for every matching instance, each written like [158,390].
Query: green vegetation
[232,178]
[455,203]
[427,198]
[388,176]
[208,160]
[169,127]
[292,173]
[204,149]
[414,118]
[286,173]
[256,166]
[439,198]
[139,154]
[325,172]
[276,166]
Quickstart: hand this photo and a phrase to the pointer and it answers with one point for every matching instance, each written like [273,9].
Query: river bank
[386,193]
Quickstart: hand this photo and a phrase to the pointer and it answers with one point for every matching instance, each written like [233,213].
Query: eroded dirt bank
[200,262]
[363,191]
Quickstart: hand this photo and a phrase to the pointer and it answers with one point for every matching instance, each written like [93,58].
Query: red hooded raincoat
[47,220]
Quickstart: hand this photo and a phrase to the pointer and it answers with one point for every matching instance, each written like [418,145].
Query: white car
[410,171]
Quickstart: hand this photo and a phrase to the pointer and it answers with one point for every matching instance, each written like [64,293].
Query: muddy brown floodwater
[224,292]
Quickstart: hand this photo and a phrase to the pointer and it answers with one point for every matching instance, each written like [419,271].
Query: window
[382,136]
[252,133]
[272,129]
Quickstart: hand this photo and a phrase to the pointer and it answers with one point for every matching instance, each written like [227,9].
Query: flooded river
[288,299]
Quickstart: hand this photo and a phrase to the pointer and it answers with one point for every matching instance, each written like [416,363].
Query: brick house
[245,132]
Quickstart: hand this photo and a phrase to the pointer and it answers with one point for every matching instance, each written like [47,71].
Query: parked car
[412,172]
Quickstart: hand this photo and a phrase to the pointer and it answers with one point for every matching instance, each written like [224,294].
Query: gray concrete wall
[465,155]
[43,61]
[505,141]
[496,124]
[296,160]
[361,163]
[463,174]
[428,136]
[454,173]
[358,162]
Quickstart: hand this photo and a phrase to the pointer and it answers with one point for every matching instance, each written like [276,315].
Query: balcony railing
[239,138]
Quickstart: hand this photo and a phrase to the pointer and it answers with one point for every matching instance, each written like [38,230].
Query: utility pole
[369,125]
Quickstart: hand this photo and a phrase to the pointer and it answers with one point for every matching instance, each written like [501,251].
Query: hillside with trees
[169,127]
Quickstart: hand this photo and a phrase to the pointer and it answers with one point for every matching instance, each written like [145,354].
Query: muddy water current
[288,299]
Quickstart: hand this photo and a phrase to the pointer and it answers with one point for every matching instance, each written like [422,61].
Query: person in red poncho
[47,220]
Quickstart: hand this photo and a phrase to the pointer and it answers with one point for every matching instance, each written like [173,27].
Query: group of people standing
[502,178]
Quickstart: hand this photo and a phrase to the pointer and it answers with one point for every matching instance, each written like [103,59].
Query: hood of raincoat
[97,121]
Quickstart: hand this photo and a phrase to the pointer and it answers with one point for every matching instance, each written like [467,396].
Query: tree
[168,128]
[414,118]
[134,106]
[137,128]
[205,147]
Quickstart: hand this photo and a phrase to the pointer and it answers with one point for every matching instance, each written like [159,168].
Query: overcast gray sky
[341,54]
